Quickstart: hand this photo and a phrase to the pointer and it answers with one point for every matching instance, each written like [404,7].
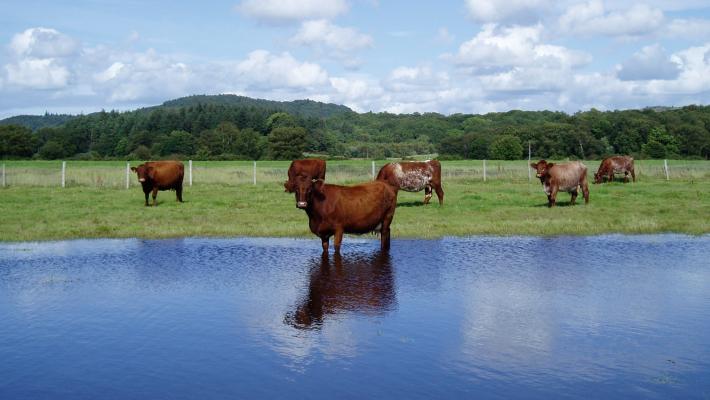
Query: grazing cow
[360,284]
[615,165]
[414,176]
[305,170]
[160,175]
[334,210]
[562,177]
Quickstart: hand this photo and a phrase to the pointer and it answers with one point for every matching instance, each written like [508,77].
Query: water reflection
[351,283]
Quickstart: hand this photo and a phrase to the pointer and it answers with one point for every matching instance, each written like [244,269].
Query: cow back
[166,174]
[567,176]
[359,208]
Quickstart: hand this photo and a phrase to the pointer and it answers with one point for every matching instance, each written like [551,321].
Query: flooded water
[522,317]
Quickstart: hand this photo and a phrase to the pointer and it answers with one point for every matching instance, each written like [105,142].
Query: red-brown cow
[362,284]
[562,177]
[615,165]
[160,175]
[334,210]
[414,176]
[304,170]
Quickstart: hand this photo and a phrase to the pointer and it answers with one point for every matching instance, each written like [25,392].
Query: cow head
[541,168]
[304,187]
[598,178]
[144,172]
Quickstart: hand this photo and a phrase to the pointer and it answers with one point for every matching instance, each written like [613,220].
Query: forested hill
[228,127]
[35,122]
[302,108]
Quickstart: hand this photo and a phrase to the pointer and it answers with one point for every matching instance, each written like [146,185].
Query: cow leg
[147,192]
[574,196]
[178,193]
[427,194]
[633,175]
[552,198]
[385,232]
[324,243]
[611,177]
[338,239]
[155,194]
[439,194]
[585,192]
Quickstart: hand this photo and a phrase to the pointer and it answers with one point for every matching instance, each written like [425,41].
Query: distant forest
[228,127]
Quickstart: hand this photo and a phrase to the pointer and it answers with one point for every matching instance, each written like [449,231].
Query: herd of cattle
[334,210]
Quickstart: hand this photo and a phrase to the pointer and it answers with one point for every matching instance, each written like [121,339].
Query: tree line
[220,130]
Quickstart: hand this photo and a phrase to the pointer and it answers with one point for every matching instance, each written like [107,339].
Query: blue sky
[470,56]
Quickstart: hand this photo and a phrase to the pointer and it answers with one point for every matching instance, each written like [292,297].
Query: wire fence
[117,174]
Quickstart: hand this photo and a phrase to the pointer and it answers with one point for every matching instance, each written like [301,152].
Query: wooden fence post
[3,175]
[373,170]
[529,162]
[484,170]
[128,174]
[64,173]
[254,172]
[189,163]
[665,168]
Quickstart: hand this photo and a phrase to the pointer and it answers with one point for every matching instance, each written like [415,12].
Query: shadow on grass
[410,204]
[560,204]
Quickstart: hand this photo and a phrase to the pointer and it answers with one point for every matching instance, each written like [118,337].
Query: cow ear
[288,185]
[549,165]
[133,169]
[534,165]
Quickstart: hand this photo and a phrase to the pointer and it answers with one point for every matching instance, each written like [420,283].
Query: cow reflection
[362,284]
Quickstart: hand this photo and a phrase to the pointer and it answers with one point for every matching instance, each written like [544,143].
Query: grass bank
[472,207]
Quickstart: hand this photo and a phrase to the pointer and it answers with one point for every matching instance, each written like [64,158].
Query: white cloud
[33,73]
[496,48]
[324,33]
[263,69]
[651,62]
[43,43]
[507,10]
[275,11]
[592,19]
[688,28]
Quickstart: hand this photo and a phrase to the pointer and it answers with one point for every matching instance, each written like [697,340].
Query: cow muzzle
[301,204]
[141,179]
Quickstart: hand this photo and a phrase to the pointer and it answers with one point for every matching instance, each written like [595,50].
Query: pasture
[223,201]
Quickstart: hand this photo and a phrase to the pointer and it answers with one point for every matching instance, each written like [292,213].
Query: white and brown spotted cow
[413,177]
[562,177]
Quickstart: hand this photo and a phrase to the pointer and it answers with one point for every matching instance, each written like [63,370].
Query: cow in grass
[334,210]
[615,165]
[567,177]
[413,177]
[304,170]
[160,175]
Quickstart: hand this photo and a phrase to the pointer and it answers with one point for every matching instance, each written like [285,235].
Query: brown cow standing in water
[160,175]
[414,176]
[359,284]
[562,177]
[304,169]
[334,210]
[615,165]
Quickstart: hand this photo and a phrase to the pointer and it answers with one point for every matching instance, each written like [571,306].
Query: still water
[483,317]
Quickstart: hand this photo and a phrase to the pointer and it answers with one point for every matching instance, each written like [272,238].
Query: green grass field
[506,204]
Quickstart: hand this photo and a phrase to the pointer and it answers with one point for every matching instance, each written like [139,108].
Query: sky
[445,56]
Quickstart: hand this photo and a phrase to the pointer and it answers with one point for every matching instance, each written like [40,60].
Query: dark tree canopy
[236,127]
